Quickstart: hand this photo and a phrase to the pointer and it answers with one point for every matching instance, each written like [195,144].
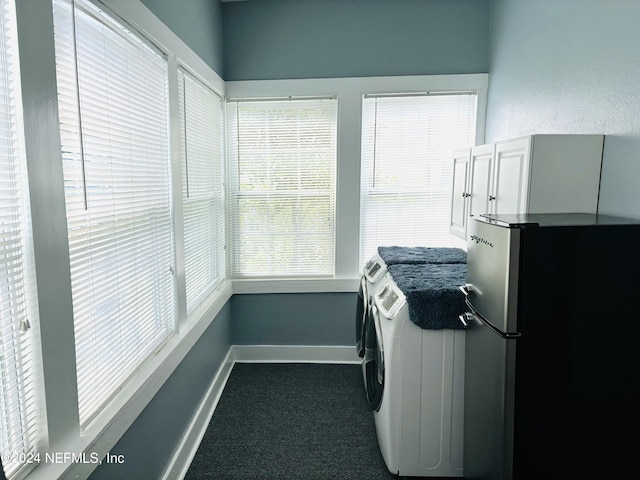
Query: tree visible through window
[282,156]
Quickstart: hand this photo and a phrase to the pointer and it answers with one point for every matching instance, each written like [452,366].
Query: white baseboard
[294,354]
[183,456]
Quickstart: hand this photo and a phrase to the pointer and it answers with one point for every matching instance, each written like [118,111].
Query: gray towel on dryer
[415,255]
[432,293]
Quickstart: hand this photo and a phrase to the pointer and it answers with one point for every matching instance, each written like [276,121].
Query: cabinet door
[480,189]
[511,176]
[458,217]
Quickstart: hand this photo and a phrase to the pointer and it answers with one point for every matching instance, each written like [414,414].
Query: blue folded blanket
[414,255]
[432,293]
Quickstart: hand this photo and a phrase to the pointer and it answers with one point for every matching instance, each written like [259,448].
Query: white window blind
[282,174]
[407,168]
[113,103]
[201,121]
[18,420]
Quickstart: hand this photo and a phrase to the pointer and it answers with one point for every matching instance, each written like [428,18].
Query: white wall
[571,66]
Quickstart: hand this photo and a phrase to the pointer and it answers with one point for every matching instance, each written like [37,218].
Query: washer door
[374,359]
[362,309]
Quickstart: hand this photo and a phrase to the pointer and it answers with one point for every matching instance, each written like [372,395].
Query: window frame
[328,106]
[120,235]
[388,182]
[350,92]
[216,196]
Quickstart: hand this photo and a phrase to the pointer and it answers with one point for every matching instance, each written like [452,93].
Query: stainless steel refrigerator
[552,362]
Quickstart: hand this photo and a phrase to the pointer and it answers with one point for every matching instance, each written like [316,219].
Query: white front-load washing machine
[415,380]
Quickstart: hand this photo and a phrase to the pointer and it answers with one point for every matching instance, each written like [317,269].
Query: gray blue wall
[197,22]
[276,39]
[571,66]
[294,319]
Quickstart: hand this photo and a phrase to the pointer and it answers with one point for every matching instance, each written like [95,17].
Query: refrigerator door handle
[466,290]
[474,314]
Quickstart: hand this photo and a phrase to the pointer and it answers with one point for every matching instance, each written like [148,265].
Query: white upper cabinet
[534,174]
[480,187]
[511,167]
[459,203]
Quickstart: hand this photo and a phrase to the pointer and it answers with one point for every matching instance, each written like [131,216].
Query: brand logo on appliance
[478,239]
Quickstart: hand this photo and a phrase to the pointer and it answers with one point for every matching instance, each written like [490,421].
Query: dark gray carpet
[291,421]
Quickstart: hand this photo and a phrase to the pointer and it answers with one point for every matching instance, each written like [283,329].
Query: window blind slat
[113,101]
[406,168]
[282,156]
[202,147]
[19,426]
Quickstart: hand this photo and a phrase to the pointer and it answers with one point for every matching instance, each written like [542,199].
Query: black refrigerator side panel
[605,368]
[542,392]
[577,381]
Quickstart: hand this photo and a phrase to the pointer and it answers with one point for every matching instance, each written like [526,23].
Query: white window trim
[242,133]
[218,258]
[88,106]
[59,412]
[349,92]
